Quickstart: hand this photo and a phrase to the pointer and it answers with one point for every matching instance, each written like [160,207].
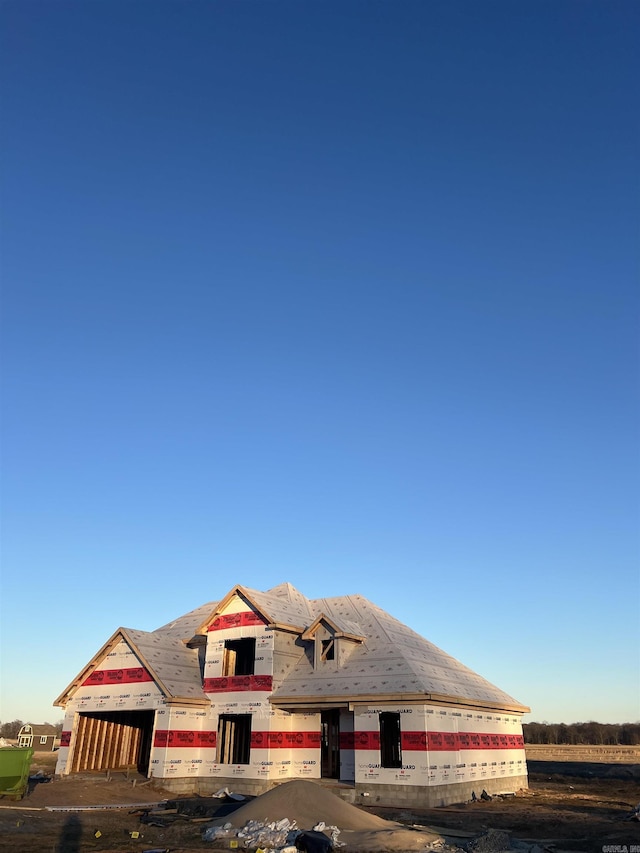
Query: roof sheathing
[283,606]
[394,661]
[174,667]
[184,627]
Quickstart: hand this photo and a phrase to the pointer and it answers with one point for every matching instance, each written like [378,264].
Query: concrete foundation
[395,796]
[250,787]
[205,787]
[432,796]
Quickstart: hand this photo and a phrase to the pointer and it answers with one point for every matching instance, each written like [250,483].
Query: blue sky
[343,294]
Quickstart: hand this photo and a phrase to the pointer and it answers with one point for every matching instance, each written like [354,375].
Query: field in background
[44,762]
[600,754]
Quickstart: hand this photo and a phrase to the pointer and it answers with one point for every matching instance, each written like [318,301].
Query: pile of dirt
[306,803]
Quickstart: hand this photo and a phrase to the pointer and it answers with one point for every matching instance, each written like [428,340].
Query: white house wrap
[263,687]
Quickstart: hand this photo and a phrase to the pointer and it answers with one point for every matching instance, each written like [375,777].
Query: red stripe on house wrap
[65,738]
[411,741]
[236,620]
[440,741]
[134,675]
[176,739]
[285,740]
[259,740]
[233,683]
[457,741]
[366,740]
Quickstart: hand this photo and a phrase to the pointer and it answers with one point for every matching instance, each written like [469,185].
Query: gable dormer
[332,642]
[238,647]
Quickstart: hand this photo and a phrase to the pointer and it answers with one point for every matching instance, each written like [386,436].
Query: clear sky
[344,294]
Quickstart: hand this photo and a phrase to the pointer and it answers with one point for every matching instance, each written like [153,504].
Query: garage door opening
[113,740]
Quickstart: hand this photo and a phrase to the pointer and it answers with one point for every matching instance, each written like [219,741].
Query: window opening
[328,649]
[239,657]
[390,751]
[234,738]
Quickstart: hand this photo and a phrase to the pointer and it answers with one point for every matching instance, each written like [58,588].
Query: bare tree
[10,730]
[590,733]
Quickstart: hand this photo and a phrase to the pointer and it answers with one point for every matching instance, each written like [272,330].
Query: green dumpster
[15,762]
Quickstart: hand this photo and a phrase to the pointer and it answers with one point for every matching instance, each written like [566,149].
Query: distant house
[41,737]
[261,687]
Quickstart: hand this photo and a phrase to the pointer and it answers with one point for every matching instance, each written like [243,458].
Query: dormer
[333,642]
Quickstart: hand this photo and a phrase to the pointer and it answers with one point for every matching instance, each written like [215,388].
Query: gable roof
[282,607]
[174,668]
[339,627]
[388,661]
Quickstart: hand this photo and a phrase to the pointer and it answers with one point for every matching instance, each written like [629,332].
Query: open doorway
[330,750]
[234,739]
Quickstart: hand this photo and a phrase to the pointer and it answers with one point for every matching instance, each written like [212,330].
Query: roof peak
[285,590]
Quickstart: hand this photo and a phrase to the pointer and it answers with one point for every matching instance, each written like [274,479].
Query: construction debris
[226,794]
[491,841]
[314,841]
[257,834]
[633,815]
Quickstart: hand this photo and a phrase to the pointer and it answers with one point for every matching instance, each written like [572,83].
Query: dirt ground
[569,806]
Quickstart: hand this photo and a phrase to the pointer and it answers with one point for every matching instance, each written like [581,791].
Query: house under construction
[264,687]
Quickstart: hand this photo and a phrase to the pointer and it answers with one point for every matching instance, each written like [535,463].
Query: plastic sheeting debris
[255,833]
[282,835]
[225,793]
[313,842]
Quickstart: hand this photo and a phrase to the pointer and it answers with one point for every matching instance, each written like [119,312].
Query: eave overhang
[189,701]
[302,703]
[281,626]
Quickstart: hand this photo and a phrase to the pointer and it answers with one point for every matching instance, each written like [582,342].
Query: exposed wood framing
[110,741]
